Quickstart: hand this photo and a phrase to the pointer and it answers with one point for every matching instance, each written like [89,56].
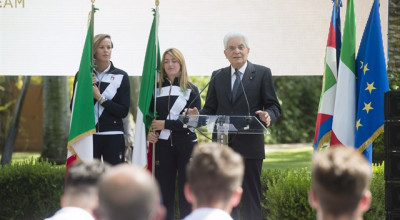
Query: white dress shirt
[208,214]
[68,213]
[233,76]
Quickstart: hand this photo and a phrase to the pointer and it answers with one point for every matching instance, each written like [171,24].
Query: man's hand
[191,111]
[264,116]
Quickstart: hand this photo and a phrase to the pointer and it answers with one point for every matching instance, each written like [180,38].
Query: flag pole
[92,30]
[92,22]
[80,140]
[157,2]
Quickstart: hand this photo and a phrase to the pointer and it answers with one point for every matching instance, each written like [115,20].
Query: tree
[393,69]
[6,99]
[135,90]
[394,44]
[14,125]
[56,118]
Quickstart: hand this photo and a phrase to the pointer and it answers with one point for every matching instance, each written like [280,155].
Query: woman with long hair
[174,143]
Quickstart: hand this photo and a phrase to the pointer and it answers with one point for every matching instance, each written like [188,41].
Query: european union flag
[372,83]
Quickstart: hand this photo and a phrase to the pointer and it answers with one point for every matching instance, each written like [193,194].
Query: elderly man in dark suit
[227,96]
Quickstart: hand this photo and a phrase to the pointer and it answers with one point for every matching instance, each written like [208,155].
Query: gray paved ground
[280,147]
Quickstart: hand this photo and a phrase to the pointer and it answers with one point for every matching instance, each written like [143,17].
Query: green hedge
[32,190]
[285,194]
[377,210]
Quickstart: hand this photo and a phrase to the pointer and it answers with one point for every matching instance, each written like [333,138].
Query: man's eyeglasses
[232,48]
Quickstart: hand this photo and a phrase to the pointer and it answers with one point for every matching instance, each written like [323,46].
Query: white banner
[46,37]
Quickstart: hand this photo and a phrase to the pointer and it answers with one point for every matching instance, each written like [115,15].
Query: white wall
[46,37]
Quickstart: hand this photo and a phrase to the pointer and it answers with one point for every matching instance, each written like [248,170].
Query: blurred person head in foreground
[340,181]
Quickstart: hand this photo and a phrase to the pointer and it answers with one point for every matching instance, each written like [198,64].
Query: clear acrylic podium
[223,125]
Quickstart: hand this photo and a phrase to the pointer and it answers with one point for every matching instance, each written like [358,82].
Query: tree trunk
[135,90]
[394,44]
[6,103]
[14,125]
[56,118]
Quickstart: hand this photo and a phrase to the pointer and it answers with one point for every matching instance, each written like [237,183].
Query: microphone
[186,117]
[248,119]
[185,120]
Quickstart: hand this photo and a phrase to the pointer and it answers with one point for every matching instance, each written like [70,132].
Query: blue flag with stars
[372,83]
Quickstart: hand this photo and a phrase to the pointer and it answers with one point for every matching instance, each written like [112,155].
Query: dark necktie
[235,85]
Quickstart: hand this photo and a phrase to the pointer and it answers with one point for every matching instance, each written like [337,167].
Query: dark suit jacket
[257,83]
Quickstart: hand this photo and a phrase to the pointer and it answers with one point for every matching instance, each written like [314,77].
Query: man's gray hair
[233,34]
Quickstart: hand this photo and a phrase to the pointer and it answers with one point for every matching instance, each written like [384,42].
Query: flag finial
[337,3]
[157,2]
[92,1]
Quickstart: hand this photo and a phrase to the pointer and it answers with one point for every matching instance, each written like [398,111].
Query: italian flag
[82,127]
[144,116]
[323,125]
[343,125]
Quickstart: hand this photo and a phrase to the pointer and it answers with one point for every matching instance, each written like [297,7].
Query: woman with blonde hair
[174,143]
[111,93]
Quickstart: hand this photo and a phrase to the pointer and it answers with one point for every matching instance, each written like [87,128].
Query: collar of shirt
[208,214]
[99,75]
[233,76]
[71,213]
[242,70]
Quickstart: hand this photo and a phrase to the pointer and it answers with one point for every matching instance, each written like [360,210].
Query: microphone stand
[248,118]
[186,117]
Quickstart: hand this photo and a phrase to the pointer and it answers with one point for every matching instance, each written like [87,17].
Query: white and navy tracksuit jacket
[108,141]
[175,143]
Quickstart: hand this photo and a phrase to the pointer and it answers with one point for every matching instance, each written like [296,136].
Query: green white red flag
[343,125]
[144,115]
[82,127]
[323,126]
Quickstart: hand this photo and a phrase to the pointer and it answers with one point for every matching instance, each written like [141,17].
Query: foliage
[71,85]
[377,210]
[378,150]
[200,82]
[9,87]
[285,194]
[299,99]
[394,80]
[19,157]
[30,190]
[7,83]
[269,176]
